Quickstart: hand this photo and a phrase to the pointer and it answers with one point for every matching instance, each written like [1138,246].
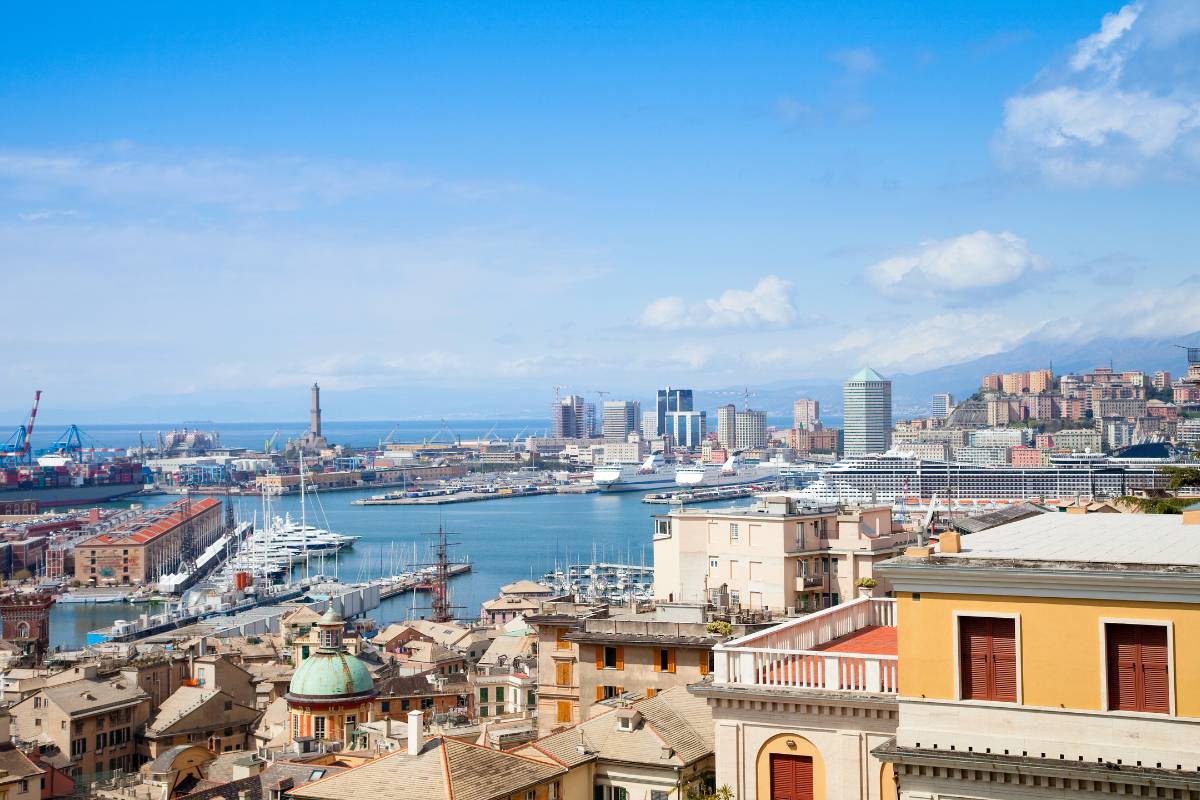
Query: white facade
[621,418]
[727,426]
[941,405]
[867,404]
[751,429]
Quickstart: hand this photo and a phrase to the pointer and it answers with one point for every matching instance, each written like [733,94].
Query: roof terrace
[848,648]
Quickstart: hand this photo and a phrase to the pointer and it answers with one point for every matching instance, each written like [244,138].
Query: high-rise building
[806,414]
[686,428]
[621,418]
[670,400]
[569,418]
[727,426]
[941,405]
[751,429]
[650,425]
[867,404]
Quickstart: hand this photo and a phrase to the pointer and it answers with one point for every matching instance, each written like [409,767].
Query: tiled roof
[186,702]
[15,764]
[446,769]
[90,696]
[141,531]
[674,719]
[526,587]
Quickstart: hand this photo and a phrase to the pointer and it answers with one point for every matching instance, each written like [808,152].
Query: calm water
[504,539]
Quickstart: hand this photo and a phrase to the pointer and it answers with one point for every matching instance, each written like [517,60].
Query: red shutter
[1138,670]
[791,777]
[988,658]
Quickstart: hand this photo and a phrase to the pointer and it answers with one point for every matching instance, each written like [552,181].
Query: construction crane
[17,448]
[269,444]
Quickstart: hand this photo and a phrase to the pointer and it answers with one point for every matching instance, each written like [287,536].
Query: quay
[417,582]
[445,497]
[689,496]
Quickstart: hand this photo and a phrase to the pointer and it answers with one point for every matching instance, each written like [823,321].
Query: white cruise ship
[734,472]
[653,473]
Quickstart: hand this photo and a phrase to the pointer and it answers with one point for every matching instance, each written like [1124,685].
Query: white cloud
[973,261]
[1126,104]
[930,342]
[858,62]
[767,305]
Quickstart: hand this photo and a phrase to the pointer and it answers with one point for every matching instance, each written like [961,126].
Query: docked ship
[897,478]
[734,472]
[66,482]
[653,473]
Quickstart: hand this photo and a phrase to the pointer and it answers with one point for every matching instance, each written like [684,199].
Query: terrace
[848,648]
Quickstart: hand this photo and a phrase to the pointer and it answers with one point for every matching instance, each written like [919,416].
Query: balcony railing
[787,656]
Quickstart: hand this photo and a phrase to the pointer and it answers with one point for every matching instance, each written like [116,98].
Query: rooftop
[151,524]
[1150,539]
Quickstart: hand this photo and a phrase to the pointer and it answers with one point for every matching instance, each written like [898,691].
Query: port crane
[269,444]
[75,442]
[17,447]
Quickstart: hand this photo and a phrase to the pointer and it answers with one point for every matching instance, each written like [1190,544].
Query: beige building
[588,657]
[775,554]
[20,777]
[92,723]
[207,717]
[798,708]
[152,544]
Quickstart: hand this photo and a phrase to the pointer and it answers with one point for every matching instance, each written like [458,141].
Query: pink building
[1044,441]
[1023,456]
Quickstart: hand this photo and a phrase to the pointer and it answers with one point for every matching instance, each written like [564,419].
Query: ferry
[653,473]
[734,472]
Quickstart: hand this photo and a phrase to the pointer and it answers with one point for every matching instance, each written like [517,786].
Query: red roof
[161,521]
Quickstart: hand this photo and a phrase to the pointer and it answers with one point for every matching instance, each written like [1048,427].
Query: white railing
[785,657]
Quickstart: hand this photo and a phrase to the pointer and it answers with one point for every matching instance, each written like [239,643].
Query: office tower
[941,405]
[650,425]
[727,426]
[867,404]
[806,414]
[620,419]
[569,418]
[686,428]
[751,429]
[670,400]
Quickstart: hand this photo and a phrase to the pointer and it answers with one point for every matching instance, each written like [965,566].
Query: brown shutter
[599,693]
[791,777]
[703,662]
[620,657]
[599,656]
[1156,681]
[973,647]
[670,659]
[1004,660]
[1122,667]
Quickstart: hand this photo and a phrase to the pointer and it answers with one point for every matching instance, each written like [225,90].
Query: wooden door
[791,777]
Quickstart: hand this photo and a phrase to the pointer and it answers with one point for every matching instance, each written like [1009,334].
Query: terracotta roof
[141,530]
[446,769]
[526,587]
[15,764]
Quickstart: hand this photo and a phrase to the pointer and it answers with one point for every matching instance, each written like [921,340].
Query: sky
[201,202]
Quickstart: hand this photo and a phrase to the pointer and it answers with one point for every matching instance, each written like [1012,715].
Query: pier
[417,582]
[443,497]
[706,495]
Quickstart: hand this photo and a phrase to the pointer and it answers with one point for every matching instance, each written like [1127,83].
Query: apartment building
[774,554]
[208,717]
[590,654]
[798,708]
[91,722]
[1055,656]
[21,777]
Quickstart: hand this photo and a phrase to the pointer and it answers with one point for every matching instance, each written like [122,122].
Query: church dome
[329,675]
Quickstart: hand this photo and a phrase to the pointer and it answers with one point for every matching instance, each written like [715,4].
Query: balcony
[848,648]
[807,582]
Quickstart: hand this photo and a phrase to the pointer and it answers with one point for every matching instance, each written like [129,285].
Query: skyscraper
[941,405]
[751,429]
[806,414]
[670,400]
[687,428]
[727,426]
[867,404]
[621,418]
[569,418]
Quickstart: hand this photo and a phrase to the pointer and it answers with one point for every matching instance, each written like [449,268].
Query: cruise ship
[653,473]
[897,477]
[734,472]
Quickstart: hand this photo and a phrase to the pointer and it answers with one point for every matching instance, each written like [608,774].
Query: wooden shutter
[564,711]
[670,659]
[988,658]
[620,657]
[791,777]
[563,674]
[1138,671]
[703,654]
[599,693]
[599,656]
[656,657]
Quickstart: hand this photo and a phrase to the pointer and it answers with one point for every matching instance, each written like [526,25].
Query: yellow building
[1056,656]
[331,691]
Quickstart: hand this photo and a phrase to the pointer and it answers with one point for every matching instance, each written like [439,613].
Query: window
[229,705]
[562,712]
[499,694]
[610,657]
[385,706]
[295,725]
[427,702]
[706,661]
[101,740]
[78,747]
[735,597]
[714,563]
[987,649]
[561,643]
[351,721]
[318,727]
[608,692]
[562,673]
[666,660]
[483,694]
[555,790]
[531,795]
[24,787]
[658,794]
[733,532]
[483,711]
[1138,668]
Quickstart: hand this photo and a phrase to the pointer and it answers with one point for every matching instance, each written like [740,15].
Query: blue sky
[208,199]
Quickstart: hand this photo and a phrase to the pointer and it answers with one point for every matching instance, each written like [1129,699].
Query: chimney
[416,731]
[950,542]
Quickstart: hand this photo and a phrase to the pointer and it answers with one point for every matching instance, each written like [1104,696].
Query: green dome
[331,673]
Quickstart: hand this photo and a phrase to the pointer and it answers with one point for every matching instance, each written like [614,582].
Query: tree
[1179,477]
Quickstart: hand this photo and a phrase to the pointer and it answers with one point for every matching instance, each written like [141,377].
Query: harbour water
[505,540]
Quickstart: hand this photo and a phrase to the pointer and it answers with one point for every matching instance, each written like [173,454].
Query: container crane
[16,449]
